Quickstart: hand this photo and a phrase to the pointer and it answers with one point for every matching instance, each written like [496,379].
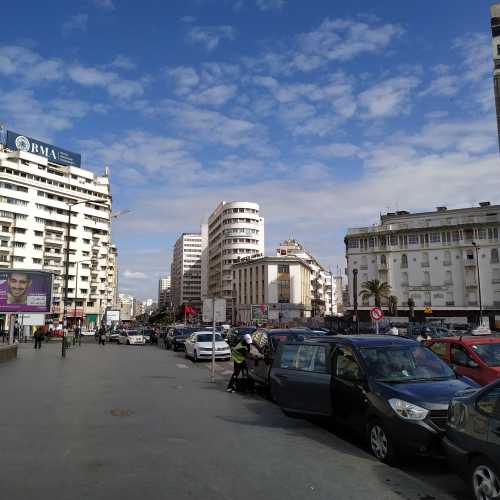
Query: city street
[134,422]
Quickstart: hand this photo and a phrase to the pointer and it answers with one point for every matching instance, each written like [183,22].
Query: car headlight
[408,411]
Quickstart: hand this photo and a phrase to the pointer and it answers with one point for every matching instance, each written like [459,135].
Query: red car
[476,357]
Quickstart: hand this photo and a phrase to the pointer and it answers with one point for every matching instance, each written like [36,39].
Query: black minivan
[391,388]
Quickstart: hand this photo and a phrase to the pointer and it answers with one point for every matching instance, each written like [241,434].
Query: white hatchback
[130,337]
[199,346]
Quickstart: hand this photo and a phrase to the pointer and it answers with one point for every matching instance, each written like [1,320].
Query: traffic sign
[376,314]
[428,310]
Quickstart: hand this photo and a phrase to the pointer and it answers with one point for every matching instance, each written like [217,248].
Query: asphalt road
[131,422]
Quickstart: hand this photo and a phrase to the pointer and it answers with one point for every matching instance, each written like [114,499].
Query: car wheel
[128,342]
[381,443]
[484,479]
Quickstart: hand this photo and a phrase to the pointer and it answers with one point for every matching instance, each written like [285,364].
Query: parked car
[199,346]
[148,334]
[266,341]
[130,337]
[88,333]
[113,336]
[176,337]
[393,389]
[472,440]
[476,357]
[415,330]
[236,334]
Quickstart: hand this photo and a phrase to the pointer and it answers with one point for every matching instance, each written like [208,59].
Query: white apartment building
[185,271]
[235,231]
[127,304]
[281,284]
[164,293]
[431,257]
[38,182]
[322,283]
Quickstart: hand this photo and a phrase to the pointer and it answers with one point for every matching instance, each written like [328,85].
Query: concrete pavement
[131,422]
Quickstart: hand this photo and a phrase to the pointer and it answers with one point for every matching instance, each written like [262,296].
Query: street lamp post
[355,297]
[76,285]
[474,244]
[66,270]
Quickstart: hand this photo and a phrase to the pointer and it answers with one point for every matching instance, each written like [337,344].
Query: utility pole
[474,244]
[355,297]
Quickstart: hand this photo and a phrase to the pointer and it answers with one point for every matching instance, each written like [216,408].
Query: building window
[447,258]
[383,260]
[494,255]
[427,278]
[435,237]
[404,260]
[481,234]
[448,280]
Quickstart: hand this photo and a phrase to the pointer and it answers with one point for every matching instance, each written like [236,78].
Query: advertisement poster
[25,291]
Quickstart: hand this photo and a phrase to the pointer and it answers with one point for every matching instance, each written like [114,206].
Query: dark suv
[393,389]
[472,441]
[176,337]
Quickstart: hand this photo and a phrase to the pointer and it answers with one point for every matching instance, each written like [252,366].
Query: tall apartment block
[38,183]
[185,274]
[235,231]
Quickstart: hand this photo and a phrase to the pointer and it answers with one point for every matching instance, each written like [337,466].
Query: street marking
[181,365]
[227,372]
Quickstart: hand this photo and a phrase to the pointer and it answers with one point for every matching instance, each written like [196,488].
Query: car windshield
[405,364]
[207,337]
[131,333]
[489,353]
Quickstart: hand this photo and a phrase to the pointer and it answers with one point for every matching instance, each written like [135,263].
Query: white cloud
[210,36]
[265,5]
[185,78]
[212,126]
[136,275]
[104,4]
[25,112]
[122,62]
[341,150]
[388,98]
[214,96]
[342,40]
[111,81]
[16,61]
[78,22]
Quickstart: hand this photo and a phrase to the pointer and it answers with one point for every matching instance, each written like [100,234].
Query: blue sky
[326,113]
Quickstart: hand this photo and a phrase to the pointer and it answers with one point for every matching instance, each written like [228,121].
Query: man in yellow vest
[239,355]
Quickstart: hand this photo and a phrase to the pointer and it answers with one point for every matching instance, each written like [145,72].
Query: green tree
[376,289]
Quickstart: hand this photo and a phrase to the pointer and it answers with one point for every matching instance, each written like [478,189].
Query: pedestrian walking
[39,335]
[239,354]
[102,335]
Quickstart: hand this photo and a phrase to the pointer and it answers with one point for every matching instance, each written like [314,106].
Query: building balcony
[495,281]
[448,282]
[447,263]
[450,303]
[469,263]
[470,284]
[473,303]
[363,267]
[53,240]
[425,264]
[382,267]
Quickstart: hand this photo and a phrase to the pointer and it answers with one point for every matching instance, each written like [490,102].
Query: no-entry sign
[376,314]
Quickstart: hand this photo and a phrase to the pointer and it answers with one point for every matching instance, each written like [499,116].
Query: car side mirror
[471,364]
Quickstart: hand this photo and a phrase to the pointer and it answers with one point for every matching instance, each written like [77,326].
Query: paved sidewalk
[132,422]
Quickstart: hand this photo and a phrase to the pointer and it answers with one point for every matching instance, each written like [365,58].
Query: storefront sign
[54,154]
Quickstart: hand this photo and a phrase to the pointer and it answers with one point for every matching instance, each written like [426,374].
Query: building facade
[127,304]
[279,285]
[36,192]
[322,283]
[495,34]
[185,272]
[447,261]
[235,231]
[164,293]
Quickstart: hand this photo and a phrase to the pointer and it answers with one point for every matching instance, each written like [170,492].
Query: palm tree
[376,289]
[393,305]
